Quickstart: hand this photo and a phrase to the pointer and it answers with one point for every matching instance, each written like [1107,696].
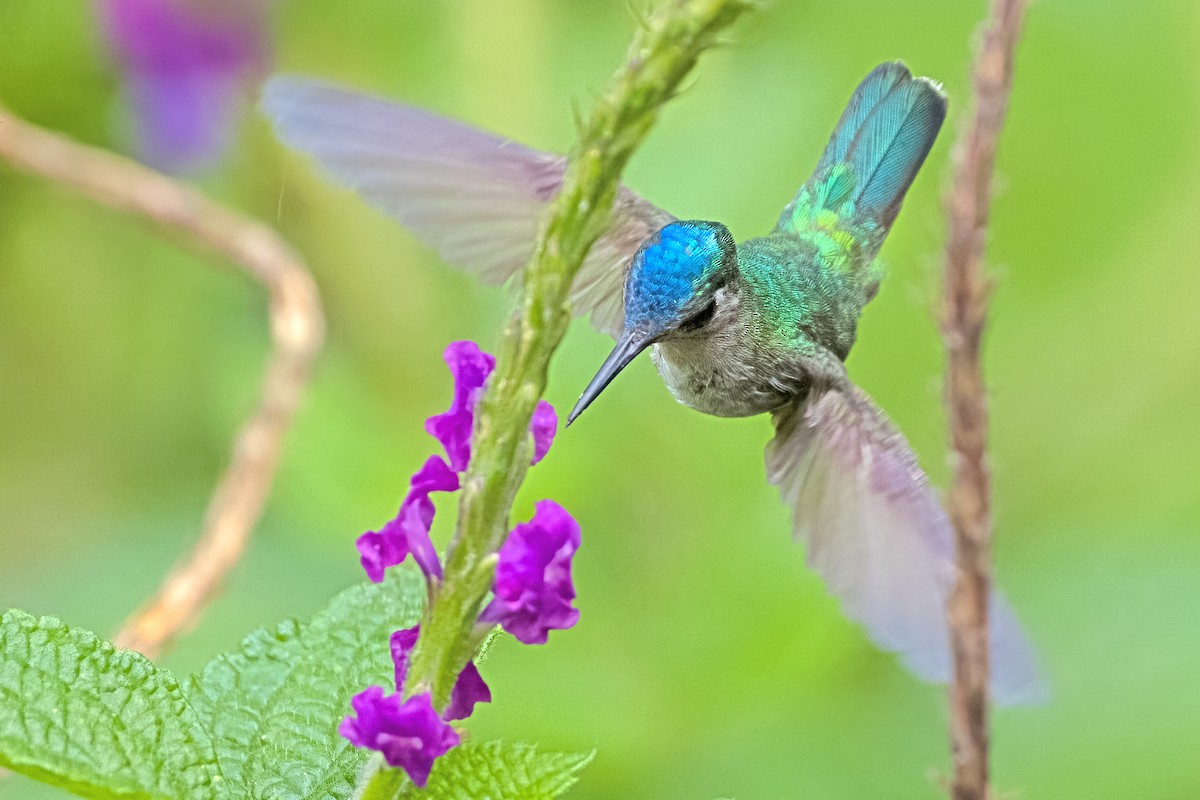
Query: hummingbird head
[670,291]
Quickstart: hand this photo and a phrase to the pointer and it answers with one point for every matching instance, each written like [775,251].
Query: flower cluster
[532,594]
[408,533]
[410,733]
[184,63]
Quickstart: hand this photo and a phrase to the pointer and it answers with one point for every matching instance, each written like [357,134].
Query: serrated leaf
[274,706]
[501,771]
[100,722]
[486,771]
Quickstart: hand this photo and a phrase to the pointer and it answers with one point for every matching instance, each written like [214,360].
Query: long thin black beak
[629,345]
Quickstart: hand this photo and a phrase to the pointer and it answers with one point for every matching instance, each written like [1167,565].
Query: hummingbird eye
[700,318]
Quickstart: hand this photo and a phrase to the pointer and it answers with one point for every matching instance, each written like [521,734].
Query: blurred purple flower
[409,733]
[409,531]
[468,690]
[185,62]
[470,367]
[533,590]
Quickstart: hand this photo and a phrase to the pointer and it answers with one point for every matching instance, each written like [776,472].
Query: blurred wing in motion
[474,197]
[876,533]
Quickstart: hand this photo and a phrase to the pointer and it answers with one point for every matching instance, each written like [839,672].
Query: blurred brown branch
[297,331]
[965,313]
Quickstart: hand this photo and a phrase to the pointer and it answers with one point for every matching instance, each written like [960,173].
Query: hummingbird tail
[874,154]
[884,135]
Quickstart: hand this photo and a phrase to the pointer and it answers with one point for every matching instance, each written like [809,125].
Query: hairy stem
[297,330]
[964,316]
[664,51]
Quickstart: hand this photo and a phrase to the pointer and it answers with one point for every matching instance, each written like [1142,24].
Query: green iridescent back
[796,292]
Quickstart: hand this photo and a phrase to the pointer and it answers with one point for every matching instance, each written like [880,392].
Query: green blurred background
[709,661]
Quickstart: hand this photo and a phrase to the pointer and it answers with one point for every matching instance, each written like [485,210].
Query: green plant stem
[663,52]
[964,317]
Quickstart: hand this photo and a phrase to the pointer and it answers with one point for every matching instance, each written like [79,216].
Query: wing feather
[878,536]
[474,197]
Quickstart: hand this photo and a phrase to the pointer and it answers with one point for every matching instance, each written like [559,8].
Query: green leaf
[274,706]
[76,712]
[485,771]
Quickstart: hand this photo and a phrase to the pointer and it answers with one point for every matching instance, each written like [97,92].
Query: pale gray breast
[723,374]
[726,370]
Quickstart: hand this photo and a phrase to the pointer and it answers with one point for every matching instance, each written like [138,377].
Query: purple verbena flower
[470,367]
[543,426]
[409,733]
[468,690]
[184,63]
[533,590]
[409,531]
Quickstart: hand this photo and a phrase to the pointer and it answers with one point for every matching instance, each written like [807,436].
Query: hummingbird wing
[876,533]
[474,197]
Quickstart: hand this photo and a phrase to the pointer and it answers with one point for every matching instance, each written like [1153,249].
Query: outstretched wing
[474,197]
[878,536]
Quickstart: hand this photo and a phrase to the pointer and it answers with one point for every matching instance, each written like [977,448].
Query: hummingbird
[763,326]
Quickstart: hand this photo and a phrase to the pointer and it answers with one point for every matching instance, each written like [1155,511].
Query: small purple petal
[434,475]
[453,430]
[470,367]
[414,521]
[378,551]
[184,63]
[533,590]
[409,733]
[543,426]
[402,644]
[468,690]
[408,533]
